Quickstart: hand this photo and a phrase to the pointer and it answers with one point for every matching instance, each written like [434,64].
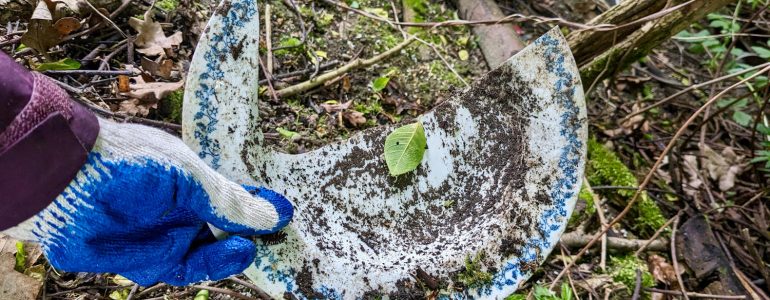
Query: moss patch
[605,168]
[623,270]
[472,276]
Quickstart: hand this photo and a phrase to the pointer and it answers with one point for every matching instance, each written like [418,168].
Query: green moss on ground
[171,106]
[623,270]
[605,168]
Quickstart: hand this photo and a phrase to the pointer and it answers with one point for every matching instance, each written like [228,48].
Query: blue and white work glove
[139,208]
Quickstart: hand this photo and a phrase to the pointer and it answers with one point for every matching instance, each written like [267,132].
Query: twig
[655,235]
[569,277]
[121,8]
[269,82]
[637,285]
[515,18]
[755,255]
[690,88]
[654,168]
[150,289]
[255,288]
[106,60]
[91,72]
[574,239]
[675,260]
[692,294]
[395,16]
[11,41]
[353,65]
[443,59]
[322,67]
[269,40]
[106,18]
[132,292]
[603,222]
[224,291]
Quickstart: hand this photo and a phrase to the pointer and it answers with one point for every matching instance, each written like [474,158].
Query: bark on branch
[638,43]
[577,240]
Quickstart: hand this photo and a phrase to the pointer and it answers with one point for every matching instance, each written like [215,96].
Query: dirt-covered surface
[714,177]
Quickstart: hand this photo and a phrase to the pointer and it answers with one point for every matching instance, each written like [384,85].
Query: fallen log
[499,41]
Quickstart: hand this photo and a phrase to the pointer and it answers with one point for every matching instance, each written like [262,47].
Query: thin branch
[515,18]
[694,295]
[574,240]
[656,234]
[675,260]
[91,72]
[638,285]
[690,88]
[353,65]
[250,285]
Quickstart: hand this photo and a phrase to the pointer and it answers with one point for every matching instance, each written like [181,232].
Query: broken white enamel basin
[501,175]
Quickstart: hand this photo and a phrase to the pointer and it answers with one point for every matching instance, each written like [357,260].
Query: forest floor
[705,209]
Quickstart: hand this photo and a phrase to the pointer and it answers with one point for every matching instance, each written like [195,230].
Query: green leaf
[543,293]
[761,51]
[516,297]
[463,55]
[120,294]
[566,291]
[21,257]
[202,295]
[404,148]
[380,83]
[64,64]
[742,118]
[288,133]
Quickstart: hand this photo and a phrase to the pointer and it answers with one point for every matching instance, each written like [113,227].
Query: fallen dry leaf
[661,270]
[150,39]
[690,163]
[722,167]
[354,118]
[65,26]
[135,107]
[152,91]
[161,67]
[41,34]
[332,108]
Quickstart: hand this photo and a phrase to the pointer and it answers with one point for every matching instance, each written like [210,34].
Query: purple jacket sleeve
[45,138]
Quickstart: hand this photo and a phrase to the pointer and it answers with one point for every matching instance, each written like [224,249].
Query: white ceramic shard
[501,175]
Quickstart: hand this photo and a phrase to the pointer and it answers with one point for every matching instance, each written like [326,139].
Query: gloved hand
[139,207]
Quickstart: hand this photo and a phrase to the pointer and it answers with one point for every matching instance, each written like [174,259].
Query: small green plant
[21,257]
[763,156]
[167,5]
[540,292]
[473,276]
